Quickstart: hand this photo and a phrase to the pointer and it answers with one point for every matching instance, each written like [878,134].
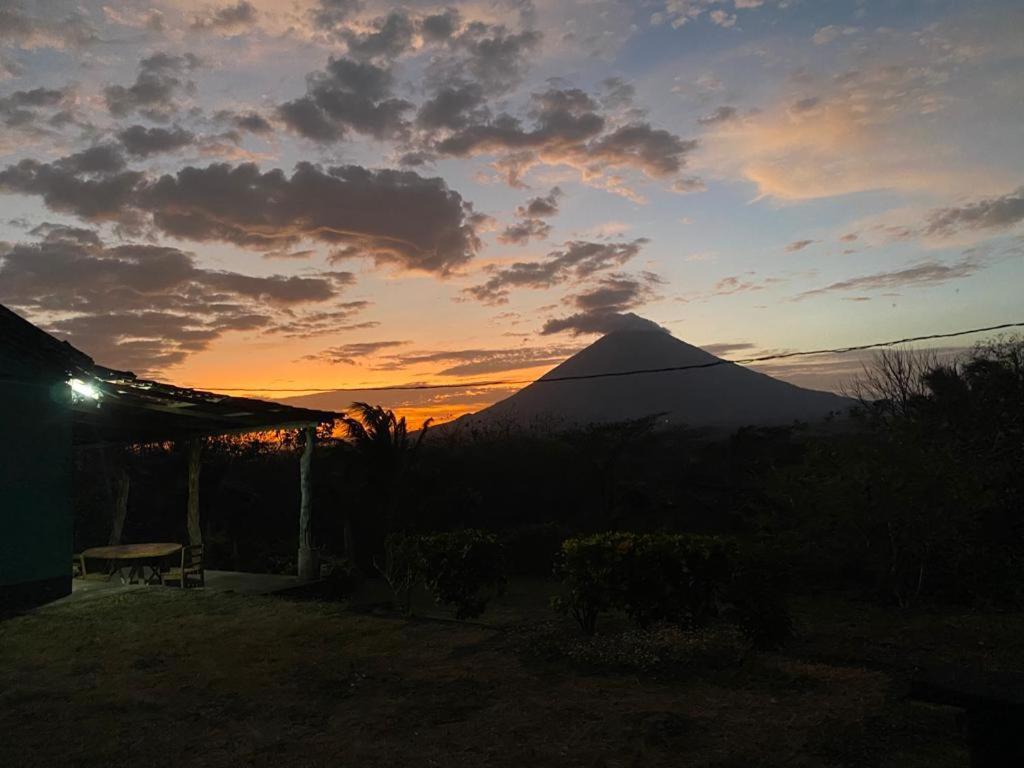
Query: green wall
[36,522]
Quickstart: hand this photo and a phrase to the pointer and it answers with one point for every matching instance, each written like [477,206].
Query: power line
[633,372]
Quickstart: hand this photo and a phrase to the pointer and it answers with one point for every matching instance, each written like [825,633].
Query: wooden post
[122,485]
[308,568]
[193,451]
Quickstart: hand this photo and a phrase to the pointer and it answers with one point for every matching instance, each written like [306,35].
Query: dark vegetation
[763,599]
[917,497]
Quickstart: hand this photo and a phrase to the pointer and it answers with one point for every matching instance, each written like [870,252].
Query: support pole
[193,452]
[122,485]
[308,567]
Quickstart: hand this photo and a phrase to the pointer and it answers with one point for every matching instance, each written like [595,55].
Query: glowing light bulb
[83,389]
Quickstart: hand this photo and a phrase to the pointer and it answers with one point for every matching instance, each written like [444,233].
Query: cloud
[924,274]
[567,129]
[142,306]
[346,206]
[531,223]
[454,107]
[799,245]
[474,362]
[725,348]
[21,29]
[521,232]
[440,27]
[859,130]
[577,259]
[229,18]
[830,33]
[603,307]
[140,141]
[590,323]
[348,354]
[89,184]
[160,81]
[721,115]
[337,319]
[392,35]
[38,112]
[1000,212]
[347,95]
[542,206]
[331,15]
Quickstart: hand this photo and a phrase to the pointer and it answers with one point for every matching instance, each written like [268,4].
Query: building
[54,399]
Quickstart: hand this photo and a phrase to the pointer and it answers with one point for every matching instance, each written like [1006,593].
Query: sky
[317,194]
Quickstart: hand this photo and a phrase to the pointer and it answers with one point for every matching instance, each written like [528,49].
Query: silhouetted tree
[385,451]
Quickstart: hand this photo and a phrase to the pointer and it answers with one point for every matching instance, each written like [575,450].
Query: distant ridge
[727,395]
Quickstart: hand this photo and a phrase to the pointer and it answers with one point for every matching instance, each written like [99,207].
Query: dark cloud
[568,129]
[253,122]
[228,18]
[799,245]
[454,107]
[391,37]
[348,95]
[589,323]
[531,223]
[140,141]
[923,274]
[20,28]
[349,353]
[522,231]
[541,206]
[142,306]
[347,206]
[332,15]
[440,27]
[473,362]
[496,57]
[577,259]
[160,81]
[90,184]
[724,114]
[617,93]
[603,307]
[849,237]
[334,320]
[33,110]
[991,213]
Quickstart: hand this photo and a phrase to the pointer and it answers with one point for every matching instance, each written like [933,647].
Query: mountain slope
[726,395]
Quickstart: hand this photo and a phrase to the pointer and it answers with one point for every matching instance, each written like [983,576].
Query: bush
[462,569]
[401,568]
[758,594]
[652,577]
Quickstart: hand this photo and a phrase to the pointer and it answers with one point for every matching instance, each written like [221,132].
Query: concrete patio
[93,588]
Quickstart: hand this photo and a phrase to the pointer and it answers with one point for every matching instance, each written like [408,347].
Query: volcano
[722,395]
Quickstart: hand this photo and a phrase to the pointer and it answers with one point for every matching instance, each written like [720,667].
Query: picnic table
[136,557]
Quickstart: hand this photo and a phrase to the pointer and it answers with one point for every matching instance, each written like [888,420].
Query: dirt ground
[165,677]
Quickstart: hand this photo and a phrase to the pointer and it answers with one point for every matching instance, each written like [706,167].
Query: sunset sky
[292,194]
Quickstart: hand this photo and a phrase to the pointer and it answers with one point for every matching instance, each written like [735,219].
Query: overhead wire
[632,372]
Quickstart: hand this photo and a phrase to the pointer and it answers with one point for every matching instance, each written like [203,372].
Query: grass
[165,677]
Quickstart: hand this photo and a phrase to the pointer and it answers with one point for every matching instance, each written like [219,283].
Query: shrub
[462,569]
[652,577]
[758,594]
[401,568]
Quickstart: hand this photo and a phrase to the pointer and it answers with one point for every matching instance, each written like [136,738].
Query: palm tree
[387,451]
